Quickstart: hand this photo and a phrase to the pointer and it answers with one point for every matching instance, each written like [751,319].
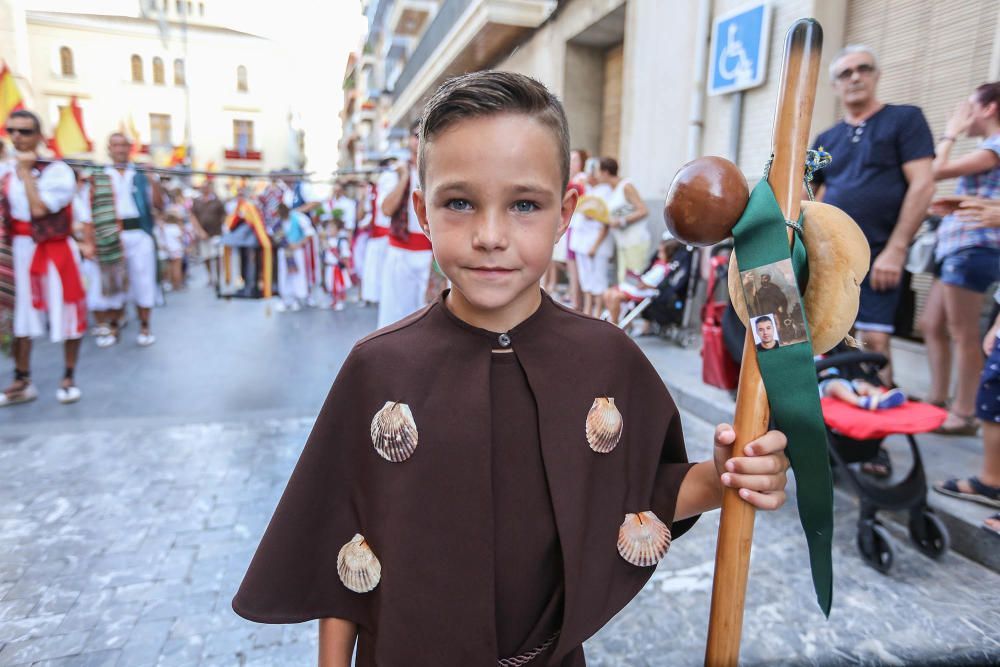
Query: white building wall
[102,50]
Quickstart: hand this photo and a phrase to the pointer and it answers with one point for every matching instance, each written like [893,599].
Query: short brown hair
[989,93]
[610,165]
[489,93]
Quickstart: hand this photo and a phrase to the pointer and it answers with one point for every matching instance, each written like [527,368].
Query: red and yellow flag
[10,97]
[70,138]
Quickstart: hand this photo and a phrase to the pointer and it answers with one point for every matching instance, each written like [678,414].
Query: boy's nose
[491,231]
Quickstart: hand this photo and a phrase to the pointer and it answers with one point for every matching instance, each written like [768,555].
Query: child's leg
[841,390]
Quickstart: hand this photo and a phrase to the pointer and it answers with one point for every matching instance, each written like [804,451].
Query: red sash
[414,241]
[378,231]
[59,252]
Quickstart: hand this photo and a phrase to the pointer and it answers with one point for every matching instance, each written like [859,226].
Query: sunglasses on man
[863,69]
[23,131]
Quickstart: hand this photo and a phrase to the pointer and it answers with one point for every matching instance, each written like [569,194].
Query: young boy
[486,482]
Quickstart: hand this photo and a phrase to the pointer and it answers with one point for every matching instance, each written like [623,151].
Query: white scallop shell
[643,539]
[604,425]
[357,565]
[394,433]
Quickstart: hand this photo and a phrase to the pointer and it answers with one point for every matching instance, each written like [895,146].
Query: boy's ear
[568,207]
[420,206]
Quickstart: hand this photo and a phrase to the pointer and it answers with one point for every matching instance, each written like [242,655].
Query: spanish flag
[70,138]
[10,97]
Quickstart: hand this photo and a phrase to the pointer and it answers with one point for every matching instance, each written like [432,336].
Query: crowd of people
[885,170]
[95,241]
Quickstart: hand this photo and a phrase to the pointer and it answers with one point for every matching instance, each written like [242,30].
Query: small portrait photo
[771,291]
[765,333]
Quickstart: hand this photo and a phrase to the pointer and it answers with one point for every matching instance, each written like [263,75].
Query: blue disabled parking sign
[740,40]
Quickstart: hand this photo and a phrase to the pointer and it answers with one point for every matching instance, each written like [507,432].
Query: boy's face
[493,206]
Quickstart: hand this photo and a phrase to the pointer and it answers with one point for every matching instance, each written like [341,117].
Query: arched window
[179,79]
[201,9]
[241,79]
[66,61]
[180,6]
[158,76]
[137,68]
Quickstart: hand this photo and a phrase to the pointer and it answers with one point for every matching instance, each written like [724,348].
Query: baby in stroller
[855,433]
[858,391]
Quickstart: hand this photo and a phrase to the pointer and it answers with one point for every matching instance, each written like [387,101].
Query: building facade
[169,73]
[632,72]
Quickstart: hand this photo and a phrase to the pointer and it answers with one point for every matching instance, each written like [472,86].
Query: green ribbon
[789,375]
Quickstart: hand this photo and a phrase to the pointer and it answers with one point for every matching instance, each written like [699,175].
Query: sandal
[981,493]
[21,391]
[879,467]
[965,425]
[992,524]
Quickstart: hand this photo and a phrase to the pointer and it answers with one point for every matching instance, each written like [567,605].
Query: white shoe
[67,395]
[100,330]
[339,306]
[296,306]
[145,339]
[29,393]
[107,340]
[280,307]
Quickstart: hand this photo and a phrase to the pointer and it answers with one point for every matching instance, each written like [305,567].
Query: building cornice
[128,25]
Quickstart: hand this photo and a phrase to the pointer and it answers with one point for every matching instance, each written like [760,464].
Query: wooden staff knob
[705,201]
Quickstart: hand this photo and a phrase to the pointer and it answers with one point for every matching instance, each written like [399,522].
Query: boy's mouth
[491,271]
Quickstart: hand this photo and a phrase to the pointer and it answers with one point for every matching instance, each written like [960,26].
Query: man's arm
[336,642]
[25,163]
[887,269]
[395,197]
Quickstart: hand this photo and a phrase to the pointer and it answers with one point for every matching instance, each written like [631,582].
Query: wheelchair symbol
[734,66]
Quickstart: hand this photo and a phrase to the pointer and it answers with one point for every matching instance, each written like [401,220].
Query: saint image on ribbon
[771,293]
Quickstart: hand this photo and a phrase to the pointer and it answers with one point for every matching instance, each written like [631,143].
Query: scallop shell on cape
[394,433]
[604,425]
[643,539]
[357,566]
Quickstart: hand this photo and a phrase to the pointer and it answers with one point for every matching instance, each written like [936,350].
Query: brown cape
[428,519]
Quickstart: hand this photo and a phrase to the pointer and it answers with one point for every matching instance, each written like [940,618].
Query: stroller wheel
[929,534]
[875,545]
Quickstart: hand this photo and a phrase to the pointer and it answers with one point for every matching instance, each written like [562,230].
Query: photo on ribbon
[772,299]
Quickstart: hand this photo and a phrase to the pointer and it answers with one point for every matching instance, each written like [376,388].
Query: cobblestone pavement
[124,548]
[125,527]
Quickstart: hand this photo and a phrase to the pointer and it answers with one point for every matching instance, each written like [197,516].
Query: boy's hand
[758,471]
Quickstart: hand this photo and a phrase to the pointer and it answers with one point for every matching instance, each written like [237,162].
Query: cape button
[504,340]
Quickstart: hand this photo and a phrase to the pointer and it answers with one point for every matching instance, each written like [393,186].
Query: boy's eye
[525,206]
[458,204]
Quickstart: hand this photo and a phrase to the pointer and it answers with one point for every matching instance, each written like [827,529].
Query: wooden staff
[790,141]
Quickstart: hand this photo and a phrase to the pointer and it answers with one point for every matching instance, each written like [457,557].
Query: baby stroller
[666,309]
[855,435]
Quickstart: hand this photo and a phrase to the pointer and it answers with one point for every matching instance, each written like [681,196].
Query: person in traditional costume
[408,259]
[494,477]
[290,239]
[36,198]
[378,237]
[135,197]
[337,262]
[103,256]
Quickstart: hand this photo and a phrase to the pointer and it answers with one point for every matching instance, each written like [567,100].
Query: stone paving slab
[125,547]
